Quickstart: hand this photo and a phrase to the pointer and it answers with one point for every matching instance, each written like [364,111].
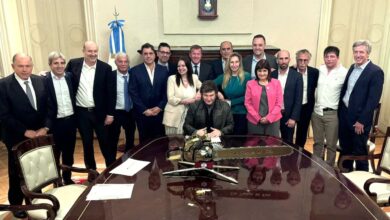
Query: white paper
[110,191]
[215,140]
[130,167]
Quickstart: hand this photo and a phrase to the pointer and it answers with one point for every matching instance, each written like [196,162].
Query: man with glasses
[163,54]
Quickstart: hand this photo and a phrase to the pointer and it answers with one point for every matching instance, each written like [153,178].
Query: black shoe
[68,181]
[20,214]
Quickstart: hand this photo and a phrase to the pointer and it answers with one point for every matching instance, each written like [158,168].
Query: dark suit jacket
[143,93]
[205,72]
[104,91]
[52,93]
[365,95]
[312,80]
[196,117]
[172,68]
[16,112]
[217,67]
[293,93]
[247,62]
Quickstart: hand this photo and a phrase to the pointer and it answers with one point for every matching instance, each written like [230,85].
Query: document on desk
[110,192]
[130,167]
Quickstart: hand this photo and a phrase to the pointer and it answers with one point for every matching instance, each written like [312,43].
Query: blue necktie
[128,103]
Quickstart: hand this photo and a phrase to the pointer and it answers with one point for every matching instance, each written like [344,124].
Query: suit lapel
[37,90]
[19,92]
[362,77]
[50,86]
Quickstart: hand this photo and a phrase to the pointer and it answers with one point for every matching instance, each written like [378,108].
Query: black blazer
[217,68]
[52,93]
[205,72]
[145,95]
[16,112]
[312,81]
[172,68]
[293,93]
[104,91]
[247,62]
[365,95]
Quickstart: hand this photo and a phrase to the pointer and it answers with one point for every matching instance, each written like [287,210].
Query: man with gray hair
[61,98]
[123,113]
[359,97]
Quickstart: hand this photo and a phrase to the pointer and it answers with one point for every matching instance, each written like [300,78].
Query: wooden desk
[296,186]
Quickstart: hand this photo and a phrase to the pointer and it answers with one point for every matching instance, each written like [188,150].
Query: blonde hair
[228,72]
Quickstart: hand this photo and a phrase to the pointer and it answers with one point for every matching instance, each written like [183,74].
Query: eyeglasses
[164,53]
[303,60]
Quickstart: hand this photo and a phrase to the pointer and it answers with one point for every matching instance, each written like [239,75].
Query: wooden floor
[100,166]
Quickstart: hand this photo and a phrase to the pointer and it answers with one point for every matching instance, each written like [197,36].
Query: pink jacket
[252,100]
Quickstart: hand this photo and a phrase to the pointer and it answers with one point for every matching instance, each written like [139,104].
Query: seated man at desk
[208,116]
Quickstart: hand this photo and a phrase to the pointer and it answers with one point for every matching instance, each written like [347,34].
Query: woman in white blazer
[182,91]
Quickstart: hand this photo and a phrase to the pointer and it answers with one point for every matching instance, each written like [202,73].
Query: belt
[65,118]
[328,109]
[89,109]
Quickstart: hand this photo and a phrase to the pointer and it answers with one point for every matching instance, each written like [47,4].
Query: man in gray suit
[258,47]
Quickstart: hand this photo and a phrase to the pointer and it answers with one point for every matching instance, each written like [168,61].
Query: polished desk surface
[295,186]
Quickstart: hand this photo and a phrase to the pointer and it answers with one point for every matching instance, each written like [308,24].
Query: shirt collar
[362,66]
[288,69]
[257,60]
[193,64]
[121,74]
[55,76]
[162,64]
[20,80]
[89,67]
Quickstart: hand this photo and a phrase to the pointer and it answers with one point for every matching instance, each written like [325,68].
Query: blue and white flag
[117,40]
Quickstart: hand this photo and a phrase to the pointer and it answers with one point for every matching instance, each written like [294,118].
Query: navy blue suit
[292,98]
[307,109]
[363,100]
[217,68]
[64,129]
[18,115]
[146,95]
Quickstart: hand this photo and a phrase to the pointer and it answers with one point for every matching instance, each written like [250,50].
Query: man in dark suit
[258,47]
[292,85]
[62,99]
[24,114]
[310,79]
[148,90]
[202,69]
[124,116]
[163,54]
[94,87]
[218,65]
[359,97]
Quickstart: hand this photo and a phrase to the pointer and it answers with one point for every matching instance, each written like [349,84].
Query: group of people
[257,94]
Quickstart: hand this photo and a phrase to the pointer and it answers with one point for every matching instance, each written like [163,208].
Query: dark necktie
[196,69]
[126,94]
[29,94]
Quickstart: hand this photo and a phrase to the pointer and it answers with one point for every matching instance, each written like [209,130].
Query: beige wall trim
[89,12]
[5,54]
[323,32]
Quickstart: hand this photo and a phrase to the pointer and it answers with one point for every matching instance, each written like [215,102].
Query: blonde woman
[233,84]
[181,91]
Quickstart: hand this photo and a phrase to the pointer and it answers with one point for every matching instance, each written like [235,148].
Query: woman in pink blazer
[263,101]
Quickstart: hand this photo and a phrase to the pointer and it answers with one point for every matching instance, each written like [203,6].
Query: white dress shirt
[197,66]
[329,86]
[64,102]
[84,96]
[356,72]
[150,73]
[283,79]
[304,77]
[254,62]
[21,83]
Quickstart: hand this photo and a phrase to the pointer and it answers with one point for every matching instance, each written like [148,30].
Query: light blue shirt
[356,72]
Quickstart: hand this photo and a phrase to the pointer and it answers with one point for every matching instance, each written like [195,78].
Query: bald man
[225,49]
[94,87]
[23,113]
[292,86]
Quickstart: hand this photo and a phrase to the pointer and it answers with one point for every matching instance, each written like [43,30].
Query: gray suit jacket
[247,62]
[196,117]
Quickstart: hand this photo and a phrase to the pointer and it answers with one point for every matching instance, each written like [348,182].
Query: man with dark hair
[359,97]
[225,49]
[93,85]
[202,69]
[310,78]
[292,87]
[163,54]
[324,118]
[208,116]
[148,90]
[24,114]
[258,47]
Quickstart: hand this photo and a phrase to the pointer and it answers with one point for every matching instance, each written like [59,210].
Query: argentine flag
[117,41]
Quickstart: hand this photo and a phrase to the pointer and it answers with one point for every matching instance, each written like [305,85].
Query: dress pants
[87,124]
[325,127]
[15,194]
[149,128]
[240,124]
[303,125]
[286,132]
[64,134]
[352,143]
[127,122]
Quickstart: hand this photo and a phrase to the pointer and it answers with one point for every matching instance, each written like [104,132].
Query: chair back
[37,163]
[375,122]
[384,161]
